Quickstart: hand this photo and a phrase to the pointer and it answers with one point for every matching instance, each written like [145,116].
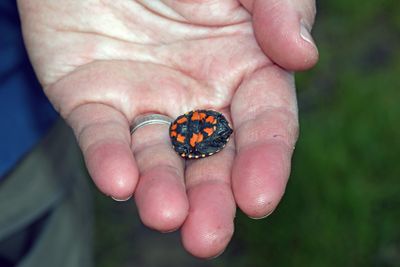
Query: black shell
[191,125]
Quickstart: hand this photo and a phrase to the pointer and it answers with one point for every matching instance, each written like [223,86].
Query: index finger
[264,112]
[104,138]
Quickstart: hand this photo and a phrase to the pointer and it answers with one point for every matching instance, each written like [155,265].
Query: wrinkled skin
[103,62]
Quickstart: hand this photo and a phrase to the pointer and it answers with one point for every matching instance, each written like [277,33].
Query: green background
[342,203]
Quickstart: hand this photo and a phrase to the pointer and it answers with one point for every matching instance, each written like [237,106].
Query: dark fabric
[25,113]
[46,207]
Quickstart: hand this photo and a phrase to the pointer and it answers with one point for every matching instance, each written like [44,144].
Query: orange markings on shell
[174,126]
[195,116]
[182,120]
[180,138]
[210,119]
[173,134]
[193,140]
[198,116]
[196,138]
[209,131]
[199,138]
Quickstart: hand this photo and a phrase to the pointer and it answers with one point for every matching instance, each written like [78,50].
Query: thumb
[282,28]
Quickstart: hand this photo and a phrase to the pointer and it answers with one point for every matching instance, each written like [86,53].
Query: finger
[282,28]
[209,225]
[265,133]
[161,195]
[103,135]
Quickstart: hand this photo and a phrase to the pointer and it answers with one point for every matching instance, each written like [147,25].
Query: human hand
[103,63]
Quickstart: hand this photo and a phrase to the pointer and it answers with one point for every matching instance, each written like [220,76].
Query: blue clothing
[25,113]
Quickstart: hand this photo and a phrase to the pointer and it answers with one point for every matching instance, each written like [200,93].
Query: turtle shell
[199,133]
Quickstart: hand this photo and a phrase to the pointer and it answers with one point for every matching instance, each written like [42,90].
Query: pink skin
[102,63]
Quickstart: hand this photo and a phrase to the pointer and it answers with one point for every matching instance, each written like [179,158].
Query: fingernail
[262,217]
[122,200]
[216,256]
[169,231]
[305,34]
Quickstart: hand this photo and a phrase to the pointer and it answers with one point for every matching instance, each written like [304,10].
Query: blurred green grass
[342,204]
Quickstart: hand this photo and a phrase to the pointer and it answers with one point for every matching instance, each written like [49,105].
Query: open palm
[102,63]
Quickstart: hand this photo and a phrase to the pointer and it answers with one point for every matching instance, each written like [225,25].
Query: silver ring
[148,119]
